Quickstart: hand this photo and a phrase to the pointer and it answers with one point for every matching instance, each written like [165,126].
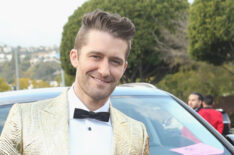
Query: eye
[95,57]
[116,62]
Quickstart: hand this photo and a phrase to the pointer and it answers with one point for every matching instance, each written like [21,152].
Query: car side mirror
[230,138]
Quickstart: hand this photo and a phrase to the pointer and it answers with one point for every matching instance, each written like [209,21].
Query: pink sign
[198,149]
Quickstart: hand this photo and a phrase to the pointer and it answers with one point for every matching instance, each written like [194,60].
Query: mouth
[101,81]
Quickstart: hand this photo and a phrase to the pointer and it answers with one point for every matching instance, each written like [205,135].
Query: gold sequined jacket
[42,128]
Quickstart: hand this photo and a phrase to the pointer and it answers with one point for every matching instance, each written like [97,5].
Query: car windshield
[172,130]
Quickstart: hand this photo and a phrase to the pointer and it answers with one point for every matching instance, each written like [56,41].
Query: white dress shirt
[88,136]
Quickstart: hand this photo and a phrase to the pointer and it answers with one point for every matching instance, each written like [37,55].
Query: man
[63,125]
[212,116]
[195,101]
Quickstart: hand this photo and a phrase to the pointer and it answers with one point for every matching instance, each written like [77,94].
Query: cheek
[87,66]
[117,72]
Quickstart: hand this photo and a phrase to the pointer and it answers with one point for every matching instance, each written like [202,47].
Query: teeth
[99,80]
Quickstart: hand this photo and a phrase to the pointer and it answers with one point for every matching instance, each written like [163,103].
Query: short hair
[209,99]
[114,24]
[200,97]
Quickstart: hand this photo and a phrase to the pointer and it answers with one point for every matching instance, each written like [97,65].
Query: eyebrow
[100,53]
[95,52]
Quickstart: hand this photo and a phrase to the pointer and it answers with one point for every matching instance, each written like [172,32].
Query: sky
[35,22]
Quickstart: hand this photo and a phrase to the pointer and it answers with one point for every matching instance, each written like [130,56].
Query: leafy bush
[199,77]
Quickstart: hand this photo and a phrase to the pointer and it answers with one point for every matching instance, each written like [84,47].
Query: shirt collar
[75,102]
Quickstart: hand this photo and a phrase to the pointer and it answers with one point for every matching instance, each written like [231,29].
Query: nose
[104,68]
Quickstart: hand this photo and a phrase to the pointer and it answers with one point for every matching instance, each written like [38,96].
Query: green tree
[40,84]
[26,83]
[199,77]
[7,69]
[3,85]
[25,64]
[160,28]
[211,31]
[45,71]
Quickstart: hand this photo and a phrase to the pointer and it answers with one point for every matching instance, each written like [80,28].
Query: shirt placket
[89,128]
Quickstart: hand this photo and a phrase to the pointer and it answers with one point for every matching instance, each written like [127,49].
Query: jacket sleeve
[220,125]
[11,140]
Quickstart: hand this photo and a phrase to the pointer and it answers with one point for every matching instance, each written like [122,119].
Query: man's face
[100,64]
[193,101]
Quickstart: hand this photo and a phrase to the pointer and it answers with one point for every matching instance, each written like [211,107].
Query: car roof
[31,95]
[137,89]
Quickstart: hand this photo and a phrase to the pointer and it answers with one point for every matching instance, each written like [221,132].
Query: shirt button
[89,128]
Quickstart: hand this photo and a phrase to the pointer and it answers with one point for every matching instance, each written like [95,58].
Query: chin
[101,94]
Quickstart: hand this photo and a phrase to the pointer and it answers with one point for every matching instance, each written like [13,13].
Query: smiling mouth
[100,80]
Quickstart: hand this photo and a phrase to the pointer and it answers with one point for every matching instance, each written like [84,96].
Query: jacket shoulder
[47,103]
[131,133]
[129,120]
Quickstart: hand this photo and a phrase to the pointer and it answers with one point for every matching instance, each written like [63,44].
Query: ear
[203,103]
[74,58]
[125,66]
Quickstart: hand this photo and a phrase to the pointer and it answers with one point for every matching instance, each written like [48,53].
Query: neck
[91,103]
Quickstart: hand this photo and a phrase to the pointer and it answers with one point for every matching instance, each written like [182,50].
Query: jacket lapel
[120,142]
[54,124]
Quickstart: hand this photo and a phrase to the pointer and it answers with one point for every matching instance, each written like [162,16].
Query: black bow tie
[101,116]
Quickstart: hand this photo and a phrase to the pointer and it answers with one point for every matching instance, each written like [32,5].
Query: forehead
[101,41]
[193,96]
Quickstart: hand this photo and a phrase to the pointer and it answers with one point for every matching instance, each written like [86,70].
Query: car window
[171,128]
[3,114]
[226,118]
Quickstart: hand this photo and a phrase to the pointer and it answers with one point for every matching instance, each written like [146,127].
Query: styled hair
[200,97]
[114,24]
[209,99]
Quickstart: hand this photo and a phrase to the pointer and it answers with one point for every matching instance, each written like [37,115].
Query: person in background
[82,120]
[211,115]
[195,100]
